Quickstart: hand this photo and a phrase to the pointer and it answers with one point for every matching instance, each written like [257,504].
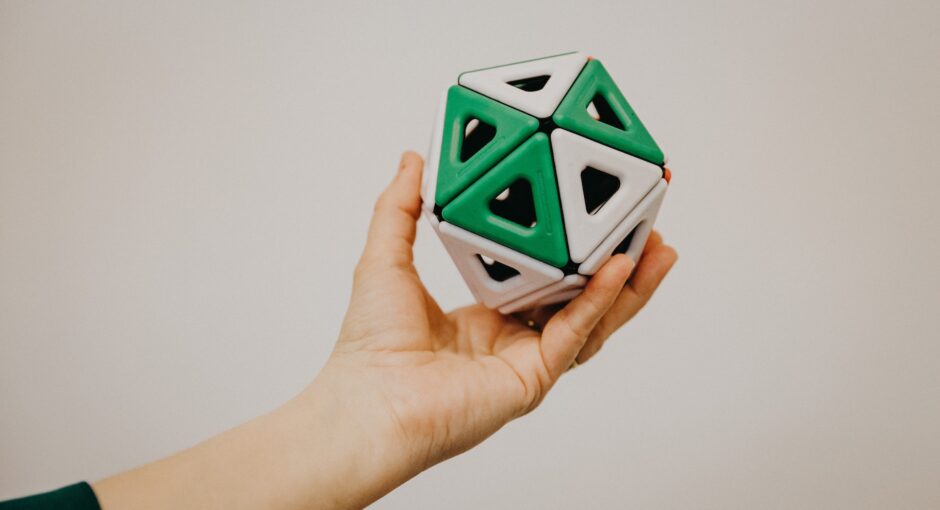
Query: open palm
[446,381]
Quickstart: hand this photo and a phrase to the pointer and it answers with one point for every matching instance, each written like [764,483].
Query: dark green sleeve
[74,497]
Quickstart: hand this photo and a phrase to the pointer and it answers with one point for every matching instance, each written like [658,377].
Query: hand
[447,381]
[407,385]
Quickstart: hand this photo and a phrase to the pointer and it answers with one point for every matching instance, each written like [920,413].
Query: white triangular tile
[574,153]
[494,82]
[568,283]
[464,247]
[560,297]
[641,218]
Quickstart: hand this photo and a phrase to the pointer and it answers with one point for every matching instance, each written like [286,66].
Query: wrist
[352,445]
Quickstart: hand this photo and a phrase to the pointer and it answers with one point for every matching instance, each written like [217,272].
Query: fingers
[659,261]
[656,262]
[541,315]
[392,231]
[566,332]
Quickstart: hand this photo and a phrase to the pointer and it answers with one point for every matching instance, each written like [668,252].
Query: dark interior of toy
[532,84]
[476,135]
[598,187]
[605,113]
[516,203]
[497,270]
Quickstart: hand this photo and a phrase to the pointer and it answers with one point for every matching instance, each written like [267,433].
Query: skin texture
[407,385]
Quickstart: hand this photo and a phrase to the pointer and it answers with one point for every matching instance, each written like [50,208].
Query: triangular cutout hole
[476,134]
[627,241]
[598,187]
[600,109]
[531,84]
[516,203]
[497,270]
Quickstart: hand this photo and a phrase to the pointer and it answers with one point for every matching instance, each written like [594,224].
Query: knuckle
[381,203]
[576,328]
[593,304]
[363,268]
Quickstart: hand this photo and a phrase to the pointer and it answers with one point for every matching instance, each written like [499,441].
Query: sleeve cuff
[73,497]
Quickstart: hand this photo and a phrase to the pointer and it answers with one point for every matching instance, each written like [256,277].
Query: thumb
[392,230]
[567,331]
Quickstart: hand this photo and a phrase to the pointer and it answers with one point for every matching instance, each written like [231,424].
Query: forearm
[312,452]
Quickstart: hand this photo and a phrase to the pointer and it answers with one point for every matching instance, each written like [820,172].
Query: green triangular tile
[572,115]
[463,105]
[532,162]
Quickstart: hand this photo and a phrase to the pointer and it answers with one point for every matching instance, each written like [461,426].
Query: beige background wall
[184,190]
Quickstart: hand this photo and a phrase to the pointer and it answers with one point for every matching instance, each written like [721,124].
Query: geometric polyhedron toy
[539,171]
